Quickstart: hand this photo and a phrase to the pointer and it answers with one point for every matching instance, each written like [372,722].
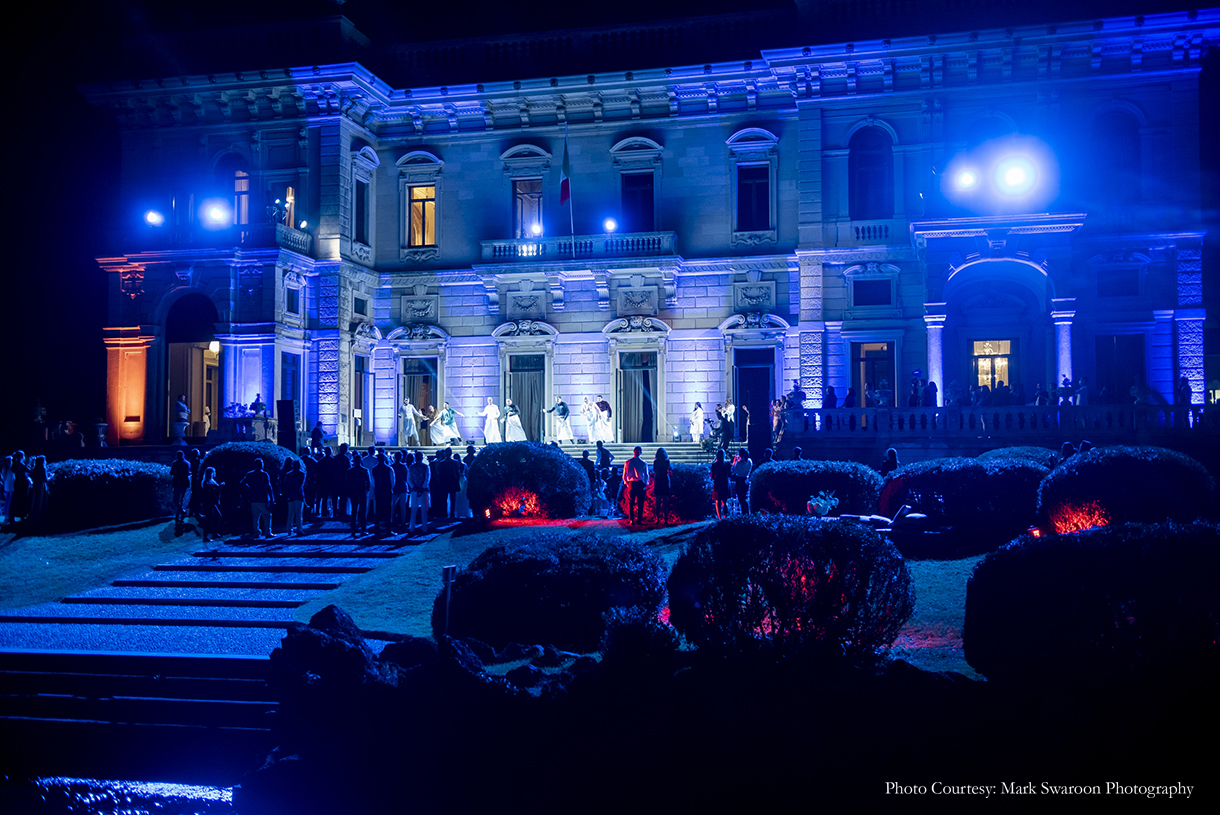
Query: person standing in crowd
[931,395]
[798,454]
[767,457]
[696,423]
[369,461]
[891,462]
[563,422]
[195,459]
[470,455]
[209,504]
[741,478]
[604,457]
[39,490]
[6,487]
[383,494]
[635,477]
[450,471]
[294,497]
[180,482]
[398,505]
[315,438]
[587,463]
[257,487]
[326,479]
[491,423]
[358,484]
[831,400]
[662,485]
[720,485]
[419,483]
[20,502]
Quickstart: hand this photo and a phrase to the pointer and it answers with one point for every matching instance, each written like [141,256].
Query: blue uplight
[1015,175]
[610,225]
[967,179]
[154,218]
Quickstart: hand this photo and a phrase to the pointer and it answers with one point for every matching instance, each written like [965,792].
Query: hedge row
[85,493]
[786,486]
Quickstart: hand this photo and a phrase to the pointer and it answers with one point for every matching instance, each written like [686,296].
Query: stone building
[1017,205]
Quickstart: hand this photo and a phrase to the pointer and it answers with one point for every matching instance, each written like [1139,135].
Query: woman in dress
[662,485]
[696,423]
[209,504]
[444,429]
[513,431]
[605,428]
[589,414]
[491,423]
[721,470]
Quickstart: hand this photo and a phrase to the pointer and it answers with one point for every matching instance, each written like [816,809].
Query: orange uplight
[1068,518]
[1034,532]
[487,513]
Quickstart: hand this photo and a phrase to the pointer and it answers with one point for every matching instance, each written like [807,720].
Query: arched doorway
[193,363]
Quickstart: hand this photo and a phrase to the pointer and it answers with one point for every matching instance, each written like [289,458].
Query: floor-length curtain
[525,389]
[631,403]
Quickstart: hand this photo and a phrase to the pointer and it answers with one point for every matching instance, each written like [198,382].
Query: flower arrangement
[822,504]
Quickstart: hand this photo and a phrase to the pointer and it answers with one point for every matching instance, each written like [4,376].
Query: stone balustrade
[633,244]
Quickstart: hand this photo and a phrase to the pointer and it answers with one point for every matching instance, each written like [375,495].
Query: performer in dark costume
[563,424]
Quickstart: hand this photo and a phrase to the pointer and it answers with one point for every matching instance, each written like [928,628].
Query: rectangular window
[293,301]
[527,207]
[871,293]
[290,376]
[753,198]
[637,215]
[360,229]
[423,217]
[241,197]
[360,306]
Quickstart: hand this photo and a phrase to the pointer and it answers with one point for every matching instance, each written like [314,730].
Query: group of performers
[720,426]
[442,424]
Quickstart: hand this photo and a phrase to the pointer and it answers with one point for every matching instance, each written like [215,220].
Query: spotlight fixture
[154,218]
[304,224]
[214,346]
[1015,175]
[536,230]
[610,225]
[967,180]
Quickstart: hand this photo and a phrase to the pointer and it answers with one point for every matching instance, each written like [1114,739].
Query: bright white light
[214,346]
[304,224]
[610,224]
[536,230]
[967,179]
[217,215]
[1015,175]
[153,218]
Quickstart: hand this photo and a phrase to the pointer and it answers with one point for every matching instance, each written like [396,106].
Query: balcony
[867,233]
[628,245]
[247,236]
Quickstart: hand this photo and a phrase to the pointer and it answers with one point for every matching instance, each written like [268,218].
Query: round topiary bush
[232,461]
[97,492]
[982,503]
[1039,455]
[1107,603]
[783,586]
[551,589]
[690,501]
[1124,484]
[527,479]
[786,486]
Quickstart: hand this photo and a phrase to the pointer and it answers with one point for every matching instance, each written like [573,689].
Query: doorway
[872,371]
[419,384]
[992,363]
[753,389]
[526,385]
[1120,366]
[637,379]
[193,362]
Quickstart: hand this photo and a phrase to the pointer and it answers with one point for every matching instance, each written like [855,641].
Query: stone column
[934,320]
[126,383]
[1063,311]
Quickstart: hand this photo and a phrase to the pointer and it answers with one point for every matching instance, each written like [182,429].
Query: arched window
[870,172]
[1116,159]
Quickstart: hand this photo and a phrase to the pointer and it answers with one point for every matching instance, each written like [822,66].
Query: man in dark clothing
[604,456]
[797,454]
[419,478]
[383,493]
[257,486]
[398,515]
[180,481]
[450,471]
[294,496]
[587,463]
[470,455]
[796,399]
[358,484]
[635,477]
[315,437]
[195,459]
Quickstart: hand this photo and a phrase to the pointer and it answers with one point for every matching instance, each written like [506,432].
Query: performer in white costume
[563,421]
[605,428]
[444,429]
[491,423]
[696,423]
[589,414]
[409,413]
[513,430]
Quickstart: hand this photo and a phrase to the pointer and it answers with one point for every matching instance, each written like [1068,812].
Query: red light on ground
[1034,532]
[487,513]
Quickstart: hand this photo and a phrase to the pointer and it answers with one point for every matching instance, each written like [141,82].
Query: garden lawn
[45,569]
[932,638]
[397,597]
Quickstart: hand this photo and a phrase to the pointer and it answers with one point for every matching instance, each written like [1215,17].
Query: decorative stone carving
[419,308]
[420,255]
[526,305]
[637,325]
[365,331]
[361,252]
[754,296]
[637,301]
[131,282]
[524,328]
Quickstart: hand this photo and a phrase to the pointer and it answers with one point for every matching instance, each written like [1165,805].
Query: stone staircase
[682,452]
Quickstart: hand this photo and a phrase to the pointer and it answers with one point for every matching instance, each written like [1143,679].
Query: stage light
[967,179]
[609,225]
[536,230]
[1015,175]
[214,346]
[304,224]
[154,218]
[215,213]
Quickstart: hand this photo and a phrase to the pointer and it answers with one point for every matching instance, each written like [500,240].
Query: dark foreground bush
[1124,601]
[527,479]
[1039,455]
[553,589]
[786,486]
[99,492]
[983,503]
[1124,484]
[232,461]
[790,587]
[691,498]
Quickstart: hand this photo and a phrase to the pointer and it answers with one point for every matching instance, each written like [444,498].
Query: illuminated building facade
[1016,205]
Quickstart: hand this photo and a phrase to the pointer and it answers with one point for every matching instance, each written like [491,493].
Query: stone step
[292,552]
[246,641]
[268,568]
[208,596]
[152,613]
[177,601]
[137,710]
[231,580]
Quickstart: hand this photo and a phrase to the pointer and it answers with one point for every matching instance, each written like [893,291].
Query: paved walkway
[234,597]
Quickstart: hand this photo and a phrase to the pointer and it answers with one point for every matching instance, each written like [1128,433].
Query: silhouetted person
[257,487]
[891,462]
[720,472]
[741,478]
[797,454]
[635,477]
[209,504]
[180,482]
[450,470]
[383,494]
[420,482]
[402,475]
[294,497]
[604,457]
[358,483]
[662,485]
[590,470]
[315,437]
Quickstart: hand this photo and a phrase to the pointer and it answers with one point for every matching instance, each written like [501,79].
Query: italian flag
[565,173]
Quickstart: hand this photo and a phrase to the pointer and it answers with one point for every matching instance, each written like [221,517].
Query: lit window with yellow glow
[991,362]
[423,216]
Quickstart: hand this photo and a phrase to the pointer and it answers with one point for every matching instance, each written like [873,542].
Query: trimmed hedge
[232,461]
[690,499]
[1122,601]
[785,587]
[552,589]
[785,486]
[1039,455]
[1124,484]
[983,503]
[85,493]
[527,479]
